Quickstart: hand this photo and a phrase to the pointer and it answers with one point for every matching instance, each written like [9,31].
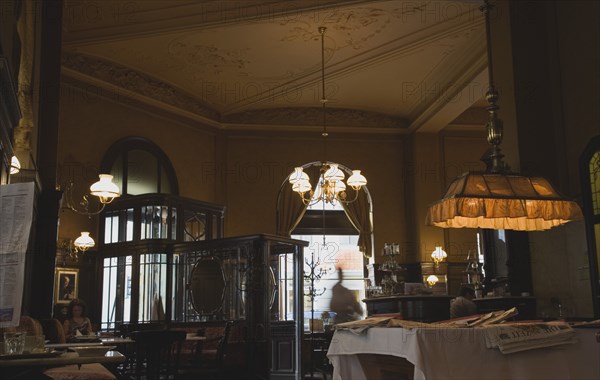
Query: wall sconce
[438,255]
[15,165]
[71,248]
[84,242]
[104,189]
[432,279]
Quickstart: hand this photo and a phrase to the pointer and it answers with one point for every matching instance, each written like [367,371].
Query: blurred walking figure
[344,303]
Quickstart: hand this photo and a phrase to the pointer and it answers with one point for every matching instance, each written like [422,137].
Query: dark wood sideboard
[422,308]
[525,305]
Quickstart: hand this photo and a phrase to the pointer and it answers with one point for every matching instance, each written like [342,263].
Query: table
[103,341]
[33,367]
[193,337]
[111,357]
[462,354]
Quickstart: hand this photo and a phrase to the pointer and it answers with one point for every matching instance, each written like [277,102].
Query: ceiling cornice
[97,22]
[97,70]
[120,84]
[336,117]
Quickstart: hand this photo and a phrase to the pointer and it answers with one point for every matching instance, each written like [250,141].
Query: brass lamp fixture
[498,198]
[70,248]
[438,255]
[432,279]
[84,242]
[330,187]
[104,189]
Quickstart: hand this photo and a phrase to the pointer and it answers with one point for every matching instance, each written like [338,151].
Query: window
[140,279]
[140,167]
[590,184]
[332,244]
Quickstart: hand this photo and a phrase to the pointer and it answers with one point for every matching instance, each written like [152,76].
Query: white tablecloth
[461,354]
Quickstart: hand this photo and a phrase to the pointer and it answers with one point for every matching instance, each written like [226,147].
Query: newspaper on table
[516,337]
[360,326]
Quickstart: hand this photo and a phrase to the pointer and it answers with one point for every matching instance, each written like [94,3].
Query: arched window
[140,167]
[590,183]
[334,242]
[142,280]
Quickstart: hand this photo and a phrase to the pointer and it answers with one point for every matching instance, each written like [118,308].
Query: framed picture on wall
[65,285]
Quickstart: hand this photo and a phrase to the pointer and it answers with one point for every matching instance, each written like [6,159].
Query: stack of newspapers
[515,337]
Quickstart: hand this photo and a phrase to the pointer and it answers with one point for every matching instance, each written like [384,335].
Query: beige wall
[90,124]
[259,165]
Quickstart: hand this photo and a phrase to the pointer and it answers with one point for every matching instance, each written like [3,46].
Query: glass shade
[298,175]
[84,242]
[356,180]
[432,279]
[337,186]
[301,186]
[502,201]
[438,255]
[105,189]
[334,173]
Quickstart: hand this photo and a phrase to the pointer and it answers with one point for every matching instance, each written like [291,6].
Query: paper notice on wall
[16,216]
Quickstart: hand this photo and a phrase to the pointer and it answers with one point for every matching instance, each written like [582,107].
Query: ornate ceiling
[391,66]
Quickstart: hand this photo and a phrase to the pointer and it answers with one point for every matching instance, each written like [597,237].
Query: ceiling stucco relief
[135,81]
[314,117]
[356,25]
[399,59]
[209,59]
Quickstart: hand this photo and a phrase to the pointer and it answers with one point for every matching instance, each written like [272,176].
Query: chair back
[53,330]
[222,347]
[157,353]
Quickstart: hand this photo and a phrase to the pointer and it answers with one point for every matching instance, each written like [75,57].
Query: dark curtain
[290,208]
[359,213]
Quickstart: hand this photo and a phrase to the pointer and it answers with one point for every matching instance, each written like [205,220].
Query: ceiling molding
[465,91]
[76,88]
[90,22]
[136,82]
[152,94]
[335,117]
[93,87]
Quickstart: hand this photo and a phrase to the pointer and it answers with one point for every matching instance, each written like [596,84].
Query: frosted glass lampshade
[84,242]
[105,189]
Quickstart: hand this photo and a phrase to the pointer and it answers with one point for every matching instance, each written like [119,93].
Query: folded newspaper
[361,326]
[515,337]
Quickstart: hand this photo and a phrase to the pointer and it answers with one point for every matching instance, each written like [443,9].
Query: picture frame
[66,285]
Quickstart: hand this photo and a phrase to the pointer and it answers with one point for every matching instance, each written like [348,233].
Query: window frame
[591,220]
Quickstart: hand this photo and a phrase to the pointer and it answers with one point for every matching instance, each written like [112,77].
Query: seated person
[462,306]
[77,323]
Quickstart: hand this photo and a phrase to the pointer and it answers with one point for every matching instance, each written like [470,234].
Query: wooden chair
[53,330]
[156,353]
[213,369]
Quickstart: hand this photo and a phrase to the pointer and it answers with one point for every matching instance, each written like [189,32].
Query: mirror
[207,286]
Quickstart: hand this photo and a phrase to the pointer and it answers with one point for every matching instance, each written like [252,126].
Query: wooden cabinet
[263,291]
[426,308]
[525,305]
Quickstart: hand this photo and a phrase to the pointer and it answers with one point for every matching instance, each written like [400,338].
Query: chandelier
[330,187]
[104,189]
[498,198]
